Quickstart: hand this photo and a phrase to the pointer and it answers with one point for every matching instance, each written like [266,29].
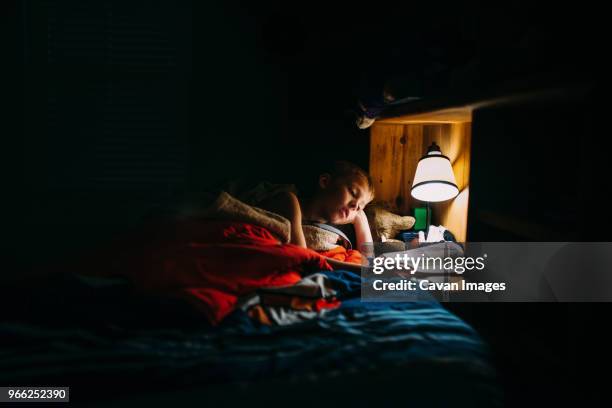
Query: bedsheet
[434,348]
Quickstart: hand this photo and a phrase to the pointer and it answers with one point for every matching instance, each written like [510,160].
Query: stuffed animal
[384,223]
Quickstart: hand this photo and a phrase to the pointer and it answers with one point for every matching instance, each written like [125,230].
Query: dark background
[129,105]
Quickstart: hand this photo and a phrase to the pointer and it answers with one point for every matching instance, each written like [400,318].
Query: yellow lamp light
[434,179]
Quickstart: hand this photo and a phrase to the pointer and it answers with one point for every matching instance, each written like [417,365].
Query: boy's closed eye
[357,194]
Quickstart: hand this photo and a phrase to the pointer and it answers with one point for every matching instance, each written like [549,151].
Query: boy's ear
[324,180]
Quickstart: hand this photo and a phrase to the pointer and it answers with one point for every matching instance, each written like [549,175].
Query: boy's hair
[342,168]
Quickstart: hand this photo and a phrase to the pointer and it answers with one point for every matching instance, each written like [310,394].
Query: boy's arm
[362,230]
[288,205]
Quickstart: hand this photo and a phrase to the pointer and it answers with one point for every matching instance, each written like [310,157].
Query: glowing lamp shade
[434,179]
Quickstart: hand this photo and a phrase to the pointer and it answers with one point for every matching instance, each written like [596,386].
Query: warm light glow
[434,192]
[455,217]
[434,179]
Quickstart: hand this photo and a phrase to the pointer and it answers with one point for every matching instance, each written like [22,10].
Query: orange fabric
[299,303]
[340,253]
[258,313]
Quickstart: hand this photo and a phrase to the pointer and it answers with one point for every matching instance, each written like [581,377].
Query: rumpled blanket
[225,256]
[311,297]
[340,253]
[210,263]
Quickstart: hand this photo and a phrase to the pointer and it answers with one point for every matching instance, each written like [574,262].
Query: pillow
[324,238]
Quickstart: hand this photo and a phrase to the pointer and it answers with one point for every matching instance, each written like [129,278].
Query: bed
[113,346]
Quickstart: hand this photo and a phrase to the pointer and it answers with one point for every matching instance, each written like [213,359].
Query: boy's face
[343,197]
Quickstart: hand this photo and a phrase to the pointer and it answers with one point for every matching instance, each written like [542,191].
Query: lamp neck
[434,149]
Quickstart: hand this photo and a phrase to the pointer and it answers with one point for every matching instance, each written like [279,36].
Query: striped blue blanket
[434,350]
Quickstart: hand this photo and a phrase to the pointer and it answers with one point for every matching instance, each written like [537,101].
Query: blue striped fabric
[359,336]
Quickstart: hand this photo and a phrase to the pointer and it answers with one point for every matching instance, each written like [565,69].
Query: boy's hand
[360,217]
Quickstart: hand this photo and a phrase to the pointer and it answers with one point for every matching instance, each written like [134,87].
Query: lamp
[434,180]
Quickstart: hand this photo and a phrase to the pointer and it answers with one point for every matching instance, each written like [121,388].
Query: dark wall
[131,104]
[540,168]
[107,89]
[271,88]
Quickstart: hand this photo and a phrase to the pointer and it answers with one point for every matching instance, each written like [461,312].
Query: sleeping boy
[342,192]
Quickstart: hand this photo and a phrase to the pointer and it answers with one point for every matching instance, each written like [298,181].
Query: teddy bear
[384,223]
